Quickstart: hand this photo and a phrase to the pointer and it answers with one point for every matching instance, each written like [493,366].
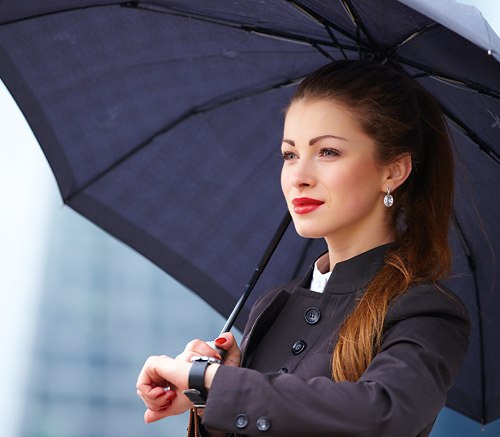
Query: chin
[308,233]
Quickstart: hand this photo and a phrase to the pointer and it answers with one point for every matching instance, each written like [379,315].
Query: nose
[302,175]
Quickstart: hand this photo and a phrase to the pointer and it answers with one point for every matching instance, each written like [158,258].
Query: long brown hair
[401,117]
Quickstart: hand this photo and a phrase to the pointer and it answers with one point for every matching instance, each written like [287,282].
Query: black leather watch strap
[197,393]
[197,377]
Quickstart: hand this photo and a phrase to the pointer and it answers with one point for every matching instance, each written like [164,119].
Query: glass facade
[103,310]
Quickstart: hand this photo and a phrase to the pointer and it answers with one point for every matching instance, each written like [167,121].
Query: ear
[397,172]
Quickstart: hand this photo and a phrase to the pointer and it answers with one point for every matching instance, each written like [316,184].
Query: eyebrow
[315,140]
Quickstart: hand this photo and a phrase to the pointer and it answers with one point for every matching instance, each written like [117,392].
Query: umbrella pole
[254,278]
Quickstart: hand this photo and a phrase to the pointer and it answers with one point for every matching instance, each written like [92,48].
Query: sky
[28,194]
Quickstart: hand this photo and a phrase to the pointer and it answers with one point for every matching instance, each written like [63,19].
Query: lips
[303,205]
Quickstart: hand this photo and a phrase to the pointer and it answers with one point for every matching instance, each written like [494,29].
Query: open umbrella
[162,121]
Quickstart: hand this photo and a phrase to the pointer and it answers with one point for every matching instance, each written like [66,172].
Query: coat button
[283,370]
[241,421]
[298,347]
[312,315]
[263,423]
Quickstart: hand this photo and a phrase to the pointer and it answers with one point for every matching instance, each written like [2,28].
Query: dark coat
[291,392]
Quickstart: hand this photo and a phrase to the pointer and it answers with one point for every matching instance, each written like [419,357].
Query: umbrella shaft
[257,272]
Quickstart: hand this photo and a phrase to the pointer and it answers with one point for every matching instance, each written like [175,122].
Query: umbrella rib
[323,52]
[335,40]
[236,25]
[329,25]
[293,37]
[195,111]
[440,75]
[358,22]
[472,266]
[485,148]
[47,14]
[408,38]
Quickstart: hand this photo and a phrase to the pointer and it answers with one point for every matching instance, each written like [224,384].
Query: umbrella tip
[489,52]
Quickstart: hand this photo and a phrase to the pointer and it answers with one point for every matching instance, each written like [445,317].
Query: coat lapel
[262,325]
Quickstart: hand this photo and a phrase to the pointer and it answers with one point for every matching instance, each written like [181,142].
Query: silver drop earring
[388,199]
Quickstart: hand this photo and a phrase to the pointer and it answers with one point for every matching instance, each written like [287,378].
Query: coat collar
[347,277]
[355,273]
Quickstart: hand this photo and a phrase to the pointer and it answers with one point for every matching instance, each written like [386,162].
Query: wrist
[197,380]
[209,375]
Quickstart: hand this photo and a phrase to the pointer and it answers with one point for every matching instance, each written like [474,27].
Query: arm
[160,373]
[401,392]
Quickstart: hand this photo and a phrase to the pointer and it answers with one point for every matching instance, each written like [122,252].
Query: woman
[367,343]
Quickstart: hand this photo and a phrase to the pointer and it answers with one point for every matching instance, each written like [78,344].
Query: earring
[388,199]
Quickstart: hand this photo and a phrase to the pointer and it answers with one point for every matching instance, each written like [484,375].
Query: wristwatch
[197,393]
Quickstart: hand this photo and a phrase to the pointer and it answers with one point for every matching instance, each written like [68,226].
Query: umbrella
[162,122]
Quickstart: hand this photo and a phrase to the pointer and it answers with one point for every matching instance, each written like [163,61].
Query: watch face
[209,360]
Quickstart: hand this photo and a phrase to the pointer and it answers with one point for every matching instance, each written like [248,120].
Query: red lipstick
[303,205]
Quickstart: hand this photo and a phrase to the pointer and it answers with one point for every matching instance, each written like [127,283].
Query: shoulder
[428,325]
[428,299]
[428,314]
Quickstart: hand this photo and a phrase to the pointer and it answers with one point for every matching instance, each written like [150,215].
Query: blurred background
[80,311]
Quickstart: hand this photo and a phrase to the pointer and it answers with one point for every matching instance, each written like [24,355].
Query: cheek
[343,181]
[356,185]
[285,182]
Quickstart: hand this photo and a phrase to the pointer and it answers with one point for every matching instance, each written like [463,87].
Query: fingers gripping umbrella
[162,122]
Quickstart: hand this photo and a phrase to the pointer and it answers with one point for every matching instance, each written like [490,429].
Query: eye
[287,156]
[328,152]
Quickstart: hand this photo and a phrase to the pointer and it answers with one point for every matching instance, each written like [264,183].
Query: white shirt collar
[319,279]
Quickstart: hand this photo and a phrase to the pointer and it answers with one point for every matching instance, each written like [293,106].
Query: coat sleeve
[400,394]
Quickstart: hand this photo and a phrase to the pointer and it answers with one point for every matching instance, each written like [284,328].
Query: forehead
[321,117]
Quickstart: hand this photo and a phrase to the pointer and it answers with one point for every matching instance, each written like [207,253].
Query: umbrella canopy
[162,123]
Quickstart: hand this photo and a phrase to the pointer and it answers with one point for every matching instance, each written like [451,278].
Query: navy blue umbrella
[162,123]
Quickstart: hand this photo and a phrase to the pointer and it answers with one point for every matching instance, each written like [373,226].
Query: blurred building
[103,310]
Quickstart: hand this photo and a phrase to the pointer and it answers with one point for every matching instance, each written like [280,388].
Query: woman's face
[332,184]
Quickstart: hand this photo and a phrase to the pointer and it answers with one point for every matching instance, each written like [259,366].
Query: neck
[344,249]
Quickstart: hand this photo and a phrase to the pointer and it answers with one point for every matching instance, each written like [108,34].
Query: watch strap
[194,396]
[197,377]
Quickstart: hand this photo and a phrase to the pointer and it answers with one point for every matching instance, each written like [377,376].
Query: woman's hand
[158,374]
[226,341]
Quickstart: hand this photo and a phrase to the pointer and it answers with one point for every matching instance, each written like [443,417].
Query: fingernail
[220,340]
[165,406]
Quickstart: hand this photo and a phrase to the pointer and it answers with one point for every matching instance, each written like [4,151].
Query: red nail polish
[220,340]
